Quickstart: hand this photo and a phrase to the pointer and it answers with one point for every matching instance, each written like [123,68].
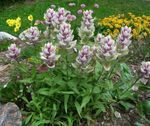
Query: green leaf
[144,107]
[28,119]
[66,92]
[66,97]
[127,95]
[126,105]
[138,124]
[47,91]
[98,68]
[54,112]
[26,81]
[100,107]
[96,90]
[109,85]
[85,100]
[73,85]
[144,88]
[125,71]
[78,108]
[40,122]
[70,121]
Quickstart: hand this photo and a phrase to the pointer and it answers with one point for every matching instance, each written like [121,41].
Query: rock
[7,36]
[5,73]
[10,115]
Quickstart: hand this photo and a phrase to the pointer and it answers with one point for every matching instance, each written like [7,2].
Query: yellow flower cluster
[14,22]
[140,25]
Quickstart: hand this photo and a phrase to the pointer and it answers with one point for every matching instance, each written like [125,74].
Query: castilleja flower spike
[83,59]
[32,34]
[48,55]
[60,17]
[13,52]
[106,51]
[49,16]
[87,28]
[124,40]
[65,36]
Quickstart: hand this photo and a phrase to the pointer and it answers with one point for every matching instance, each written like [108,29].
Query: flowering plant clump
[72,80]
[112,24]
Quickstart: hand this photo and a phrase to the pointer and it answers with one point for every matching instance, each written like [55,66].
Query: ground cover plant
[67,74]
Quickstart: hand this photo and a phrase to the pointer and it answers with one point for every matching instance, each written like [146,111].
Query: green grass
[37,9]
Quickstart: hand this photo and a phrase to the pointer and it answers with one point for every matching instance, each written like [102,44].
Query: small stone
[117,114]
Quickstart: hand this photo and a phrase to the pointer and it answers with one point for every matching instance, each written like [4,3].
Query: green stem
[100,75]
[112,70]
[131,86]
[49,31]
[67,66]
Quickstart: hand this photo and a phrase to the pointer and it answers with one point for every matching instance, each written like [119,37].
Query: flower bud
[79,11]
[71,4]
[71,17]
[96,5]
[83,5]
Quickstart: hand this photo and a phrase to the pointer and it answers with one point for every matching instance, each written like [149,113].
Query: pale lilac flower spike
[84,56]
[87,28]
[32,34]
[83,5]
[49,16]
[124,39]
[79,11]
[145,69]
[48,55]
[13,52]
[65,36]
[96,5]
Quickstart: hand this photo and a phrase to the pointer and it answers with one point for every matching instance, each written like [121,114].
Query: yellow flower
[145,34]
[16,29]
[18,19]
[30,17]
[117,26]
[30,59]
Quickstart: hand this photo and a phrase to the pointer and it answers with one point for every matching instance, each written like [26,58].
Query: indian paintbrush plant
[78,84]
